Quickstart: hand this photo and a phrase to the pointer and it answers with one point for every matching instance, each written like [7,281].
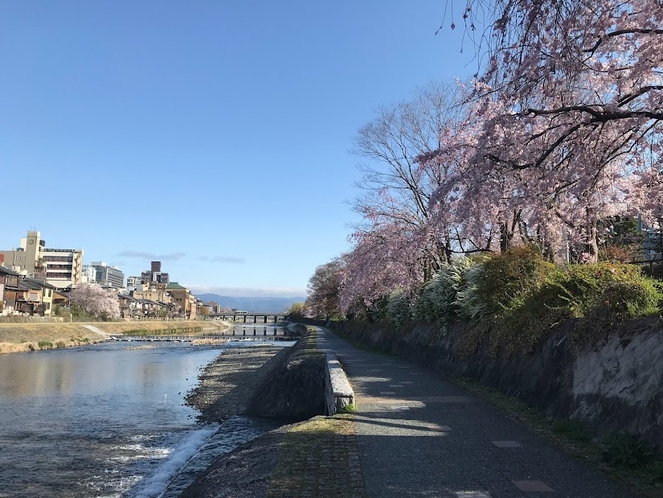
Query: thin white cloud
[222,259]
[150,256]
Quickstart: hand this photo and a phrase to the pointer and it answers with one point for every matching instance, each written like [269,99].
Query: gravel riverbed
[227,383]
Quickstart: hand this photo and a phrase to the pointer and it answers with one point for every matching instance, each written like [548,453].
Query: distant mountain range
[253,304]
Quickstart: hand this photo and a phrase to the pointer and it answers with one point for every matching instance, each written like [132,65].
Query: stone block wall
[613,385]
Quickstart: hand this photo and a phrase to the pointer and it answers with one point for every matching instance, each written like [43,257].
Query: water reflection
[88,421]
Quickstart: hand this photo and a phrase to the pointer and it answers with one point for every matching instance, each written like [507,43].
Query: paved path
[419,435]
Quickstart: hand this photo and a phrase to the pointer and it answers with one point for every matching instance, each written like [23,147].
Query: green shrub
[502,281]
[639,297]
[656,471]
[582,287]
[45,345]
[398,308]
[524,315]
[60,344]
[437,302]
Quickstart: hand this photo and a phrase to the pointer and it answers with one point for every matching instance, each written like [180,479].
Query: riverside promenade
[415,434]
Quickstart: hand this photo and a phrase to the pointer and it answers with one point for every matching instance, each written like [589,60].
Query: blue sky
[212,135]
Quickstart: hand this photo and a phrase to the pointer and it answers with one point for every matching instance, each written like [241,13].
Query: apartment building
[60,268]
[133,282]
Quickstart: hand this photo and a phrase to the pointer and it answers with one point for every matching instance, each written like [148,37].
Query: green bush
[639,297]
[521,298]
[583,287]
[45,345]
[398,308]
[437,302]
[502,281]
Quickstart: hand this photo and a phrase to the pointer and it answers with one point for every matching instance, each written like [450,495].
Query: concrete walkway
[419,435]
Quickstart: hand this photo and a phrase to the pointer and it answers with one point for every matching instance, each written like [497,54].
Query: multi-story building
[182,298]
[154,275]
[133,283]
[60,268]
[108,276]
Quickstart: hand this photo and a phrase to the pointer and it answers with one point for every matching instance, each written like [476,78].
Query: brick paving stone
[507,444]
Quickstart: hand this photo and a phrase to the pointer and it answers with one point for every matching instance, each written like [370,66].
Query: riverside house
[8,290]
[19,294]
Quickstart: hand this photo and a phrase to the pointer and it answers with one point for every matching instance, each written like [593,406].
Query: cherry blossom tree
[382,261]
[96,301]
[562,129]
[396,188]
[323,288]
[570,104]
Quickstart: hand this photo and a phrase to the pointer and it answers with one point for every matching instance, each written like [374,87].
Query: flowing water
[107,420]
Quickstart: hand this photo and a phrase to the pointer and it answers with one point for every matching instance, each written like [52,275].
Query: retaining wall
[615,385]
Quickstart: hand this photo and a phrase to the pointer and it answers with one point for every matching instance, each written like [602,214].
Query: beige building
[60,268]
[182,298]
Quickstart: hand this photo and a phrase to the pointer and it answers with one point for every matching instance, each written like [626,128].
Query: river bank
[288,386]
[226,384]
[224,388]
[22,337]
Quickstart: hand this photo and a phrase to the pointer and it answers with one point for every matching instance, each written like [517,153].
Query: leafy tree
[297,310]
[95,301]
[382,261]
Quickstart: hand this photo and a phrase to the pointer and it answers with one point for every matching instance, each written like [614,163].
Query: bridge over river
[249,333]
[252,317]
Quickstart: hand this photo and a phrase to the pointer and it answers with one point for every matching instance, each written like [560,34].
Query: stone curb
[338,391]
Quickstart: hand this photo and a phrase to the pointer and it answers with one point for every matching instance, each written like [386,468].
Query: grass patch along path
[319,458]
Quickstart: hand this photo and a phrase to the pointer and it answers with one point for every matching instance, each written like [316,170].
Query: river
[108,420]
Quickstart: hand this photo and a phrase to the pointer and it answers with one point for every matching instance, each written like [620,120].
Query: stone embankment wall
[615,385]
[302,382]
[295,388]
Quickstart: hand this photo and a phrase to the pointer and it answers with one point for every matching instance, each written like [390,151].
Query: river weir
[113,419]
